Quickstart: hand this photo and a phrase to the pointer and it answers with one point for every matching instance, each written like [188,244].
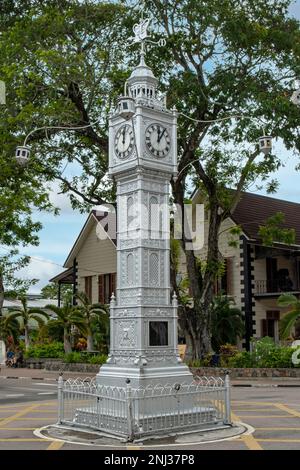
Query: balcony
[273,288]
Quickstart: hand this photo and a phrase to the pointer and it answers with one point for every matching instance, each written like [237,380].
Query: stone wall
[71,367]
[246,372]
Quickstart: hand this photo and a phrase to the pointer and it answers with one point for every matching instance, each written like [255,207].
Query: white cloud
[39,268]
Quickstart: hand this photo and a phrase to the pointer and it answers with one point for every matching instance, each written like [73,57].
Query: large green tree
[64,63]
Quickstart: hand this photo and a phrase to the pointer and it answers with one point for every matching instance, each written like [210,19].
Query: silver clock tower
[142,160]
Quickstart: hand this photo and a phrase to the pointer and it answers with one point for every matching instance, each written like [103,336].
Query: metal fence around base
[133,413]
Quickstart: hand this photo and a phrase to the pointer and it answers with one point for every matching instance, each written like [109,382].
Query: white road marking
[15,395]
[46,393]
[47,385]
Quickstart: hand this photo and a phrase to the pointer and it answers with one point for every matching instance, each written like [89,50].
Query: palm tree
[227,322]
[9,327]
[92,312]
[66,317]
[26,314]
[290,318]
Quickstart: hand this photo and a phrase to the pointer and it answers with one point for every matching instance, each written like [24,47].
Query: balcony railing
[275,286]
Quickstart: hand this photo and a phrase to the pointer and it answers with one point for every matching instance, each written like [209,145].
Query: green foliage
[50,291]
[101,359]
[73,357]
[227,351]
[51,350]
[242,359]
[227,322]
[77,357]
[272,232]
[266,354]
[9,327]
[292,317]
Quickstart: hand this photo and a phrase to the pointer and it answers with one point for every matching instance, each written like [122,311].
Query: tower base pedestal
[149,401]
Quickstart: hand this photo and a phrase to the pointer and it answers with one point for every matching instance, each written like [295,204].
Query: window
[269,325]
[158,333]
[88,283]
[106,287]
[224,283]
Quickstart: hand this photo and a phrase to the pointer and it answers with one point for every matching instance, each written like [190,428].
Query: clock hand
[161,135]
[158,135]
[123,136]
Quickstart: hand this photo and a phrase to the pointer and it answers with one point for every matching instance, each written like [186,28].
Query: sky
[60,232]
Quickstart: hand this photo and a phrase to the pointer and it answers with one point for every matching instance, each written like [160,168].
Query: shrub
[242,359]
[101,359]
[226,352]
[73,357]
[52,350]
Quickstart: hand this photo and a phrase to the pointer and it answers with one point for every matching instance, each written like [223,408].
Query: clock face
[124,142]
[158,140]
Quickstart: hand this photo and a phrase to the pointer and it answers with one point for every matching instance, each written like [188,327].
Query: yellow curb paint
[250,442]
[133,448]
[253,409]
[259,403]
[33,418]
[22,440]
[277,429]
[18,415]
[267,416]
[287,410]
[55,445]
[248,439]
[278,440]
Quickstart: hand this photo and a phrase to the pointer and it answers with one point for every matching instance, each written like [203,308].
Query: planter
[247,372]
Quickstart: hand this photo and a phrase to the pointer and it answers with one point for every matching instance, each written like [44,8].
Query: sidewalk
[42,374]
[39,374]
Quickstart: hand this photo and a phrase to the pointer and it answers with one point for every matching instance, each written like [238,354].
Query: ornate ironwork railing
[132,413]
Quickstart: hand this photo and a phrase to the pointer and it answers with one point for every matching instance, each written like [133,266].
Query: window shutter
[264,327]
[101,299]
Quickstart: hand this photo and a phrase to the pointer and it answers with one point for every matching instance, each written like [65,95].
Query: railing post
[129,411]
[227,418]
[60,396]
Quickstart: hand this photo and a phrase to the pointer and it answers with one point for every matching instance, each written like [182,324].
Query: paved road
[274,413]
[25,390]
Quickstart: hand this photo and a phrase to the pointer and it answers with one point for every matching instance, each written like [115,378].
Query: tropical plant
[67,317]
[95,315]
[9,328]
[25,315]
[291,318]
[54,349]
[227,322]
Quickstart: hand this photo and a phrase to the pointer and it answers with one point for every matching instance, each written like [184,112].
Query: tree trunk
[67,343]
[196,321]
[90,342]
[27,339]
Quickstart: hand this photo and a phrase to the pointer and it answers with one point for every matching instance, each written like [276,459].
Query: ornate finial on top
[141,34]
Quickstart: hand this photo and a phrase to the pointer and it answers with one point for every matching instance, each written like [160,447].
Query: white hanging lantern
[126,107]
[265,144]
[295,98]
[22,155]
